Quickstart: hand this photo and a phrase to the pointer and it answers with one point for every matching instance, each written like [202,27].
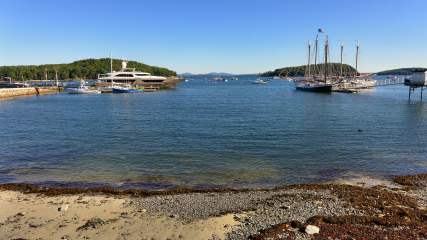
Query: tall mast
[342,48]
[309,49]
[112,85]
[315,56]
[357,55]
[326,58]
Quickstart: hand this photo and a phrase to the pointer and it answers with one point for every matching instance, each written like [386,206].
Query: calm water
[204,134]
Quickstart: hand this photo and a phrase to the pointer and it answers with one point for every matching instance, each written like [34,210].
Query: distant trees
[400,71]
[88,68]
[300,71]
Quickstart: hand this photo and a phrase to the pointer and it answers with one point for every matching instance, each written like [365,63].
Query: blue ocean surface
[205,133]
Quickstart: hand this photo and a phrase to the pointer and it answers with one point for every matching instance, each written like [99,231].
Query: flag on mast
[320,31]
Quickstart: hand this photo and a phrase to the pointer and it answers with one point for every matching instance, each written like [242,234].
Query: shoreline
[32,212]
[351,178]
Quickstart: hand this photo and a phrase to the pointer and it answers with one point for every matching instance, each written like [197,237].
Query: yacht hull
[166,83]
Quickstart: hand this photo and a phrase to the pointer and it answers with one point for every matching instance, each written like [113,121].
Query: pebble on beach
[310,229]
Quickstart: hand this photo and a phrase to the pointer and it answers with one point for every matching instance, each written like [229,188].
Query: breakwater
[15,92]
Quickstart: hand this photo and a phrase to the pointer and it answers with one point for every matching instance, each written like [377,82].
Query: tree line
[87,69]
[400,71]
[300,71]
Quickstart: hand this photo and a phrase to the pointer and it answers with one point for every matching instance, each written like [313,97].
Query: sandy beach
[282,213]
[29,216]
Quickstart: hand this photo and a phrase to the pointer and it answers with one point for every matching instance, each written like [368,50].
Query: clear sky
[201,36]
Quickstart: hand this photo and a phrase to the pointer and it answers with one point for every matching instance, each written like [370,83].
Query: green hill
[400,71]
[88,69]
[333,68]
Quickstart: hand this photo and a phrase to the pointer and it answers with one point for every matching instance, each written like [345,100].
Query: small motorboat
[126,89]
[83,89]
[258,81]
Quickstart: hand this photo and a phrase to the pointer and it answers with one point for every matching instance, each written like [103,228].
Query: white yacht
[135,78]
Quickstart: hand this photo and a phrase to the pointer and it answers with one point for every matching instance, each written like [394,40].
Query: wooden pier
[412,87]
[418,80]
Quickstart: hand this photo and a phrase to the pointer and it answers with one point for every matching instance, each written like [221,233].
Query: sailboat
[113,84]
[354,82]
[310,84]
[284,78]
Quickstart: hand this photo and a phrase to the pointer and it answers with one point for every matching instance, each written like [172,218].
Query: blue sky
[203,36]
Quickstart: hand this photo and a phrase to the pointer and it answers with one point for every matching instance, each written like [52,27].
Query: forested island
[300,71]
[87,69]
[400,71]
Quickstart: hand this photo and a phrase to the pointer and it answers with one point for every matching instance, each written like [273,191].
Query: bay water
[205,133]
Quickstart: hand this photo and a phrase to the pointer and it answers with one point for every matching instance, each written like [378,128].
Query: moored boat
[120,90]
[354,82]
[258,81]
[314,87]
[83,89]
[126,88]
[310,84]
[133,77]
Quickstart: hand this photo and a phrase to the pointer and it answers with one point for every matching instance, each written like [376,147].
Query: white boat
[83,89]
[259,81]
[221,79]
[357,83]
